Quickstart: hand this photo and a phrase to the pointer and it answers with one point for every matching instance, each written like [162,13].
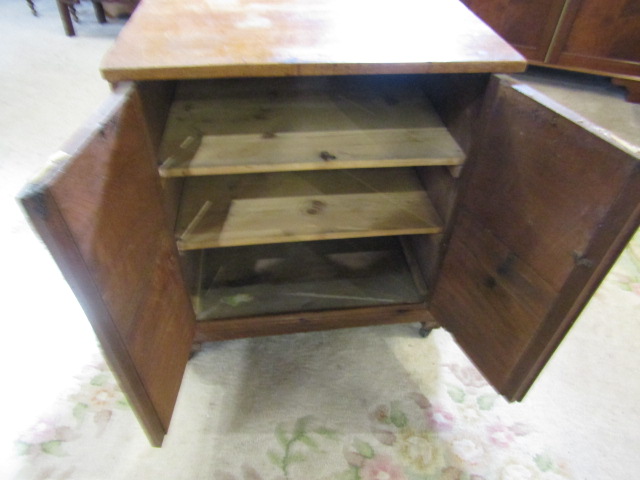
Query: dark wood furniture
[592,36]
[331,141]
[68,12]
[32,6]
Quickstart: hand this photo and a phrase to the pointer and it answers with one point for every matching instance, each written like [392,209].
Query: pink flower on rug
[500,435]
[468,450]
[468,375]
[516,472]
[103,397]
[43,431]
[440,419]
[381,468]
[45,437]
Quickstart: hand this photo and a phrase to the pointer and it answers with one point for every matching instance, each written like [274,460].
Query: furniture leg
[99,9]
[72,11]
[32,7]
[632,86]
[65,15]
[425,329]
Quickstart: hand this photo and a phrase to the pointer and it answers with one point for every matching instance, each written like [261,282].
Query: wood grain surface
[541,219]
[223,211]
[528,26]
[304,123]
[99,211]
[171,39]
[304,277]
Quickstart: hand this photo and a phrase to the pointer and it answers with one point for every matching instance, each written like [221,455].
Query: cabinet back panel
[303,277]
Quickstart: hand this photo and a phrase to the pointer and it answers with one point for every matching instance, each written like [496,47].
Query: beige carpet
[371,403]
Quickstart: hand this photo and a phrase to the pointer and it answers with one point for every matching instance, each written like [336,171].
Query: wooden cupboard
[344,195]
[592,36]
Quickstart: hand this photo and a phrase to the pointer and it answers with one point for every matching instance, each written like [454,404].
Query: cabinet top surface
[172,39]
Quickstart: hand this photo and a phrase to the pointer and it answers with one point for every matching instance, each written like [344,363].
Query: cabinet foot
[195,348]
[632,86]
[425,330]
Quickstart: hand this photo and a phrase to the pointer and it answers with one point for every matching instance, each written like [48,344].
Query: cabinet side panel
[458,100]
[156,98]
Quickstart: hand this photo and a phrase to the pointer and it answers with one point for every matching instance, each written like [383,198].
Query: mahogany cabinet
[528,26]
[215,198]
[592,36]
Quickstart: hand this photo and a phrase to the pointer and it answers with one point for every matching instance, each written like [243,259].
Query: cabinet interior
[310,193]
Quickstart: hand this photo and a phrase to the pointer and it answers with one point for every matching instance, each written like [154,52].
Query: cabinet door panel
[528,26]
[547,203]
[600,35]
[99,211]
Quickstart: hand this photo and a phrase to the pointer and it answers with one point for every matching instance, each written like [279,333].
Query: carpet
[370,403]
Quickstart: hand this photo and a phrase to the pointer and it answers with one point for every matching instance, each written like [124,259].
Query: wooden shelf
[223,211]
[218,127]
[297,277]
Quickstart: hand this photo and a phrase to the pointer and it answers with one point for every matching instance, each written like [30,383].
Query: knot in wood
[316,207]
[490,282]
[326,156]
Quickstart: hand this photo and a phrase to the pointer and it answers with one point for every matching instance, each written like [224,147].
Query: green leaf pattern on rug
[363,448]
[418,438]
[485,402]
[54,447]
[456,394]
[97,396]
[293,442]
[397,416]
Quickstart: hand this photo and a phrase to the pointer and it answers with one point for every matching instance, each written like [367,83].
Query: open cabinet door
[547,203]
[98,208]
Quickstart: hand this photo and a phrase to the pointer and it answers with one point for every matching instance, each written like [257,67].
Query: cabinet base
[227,329]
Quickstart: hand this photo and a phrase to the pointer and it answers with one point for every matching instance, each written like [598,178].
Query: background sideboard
[592,36]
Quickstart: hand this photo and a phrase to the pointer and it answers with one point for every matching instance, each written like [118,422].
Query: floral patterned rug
[362,404]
